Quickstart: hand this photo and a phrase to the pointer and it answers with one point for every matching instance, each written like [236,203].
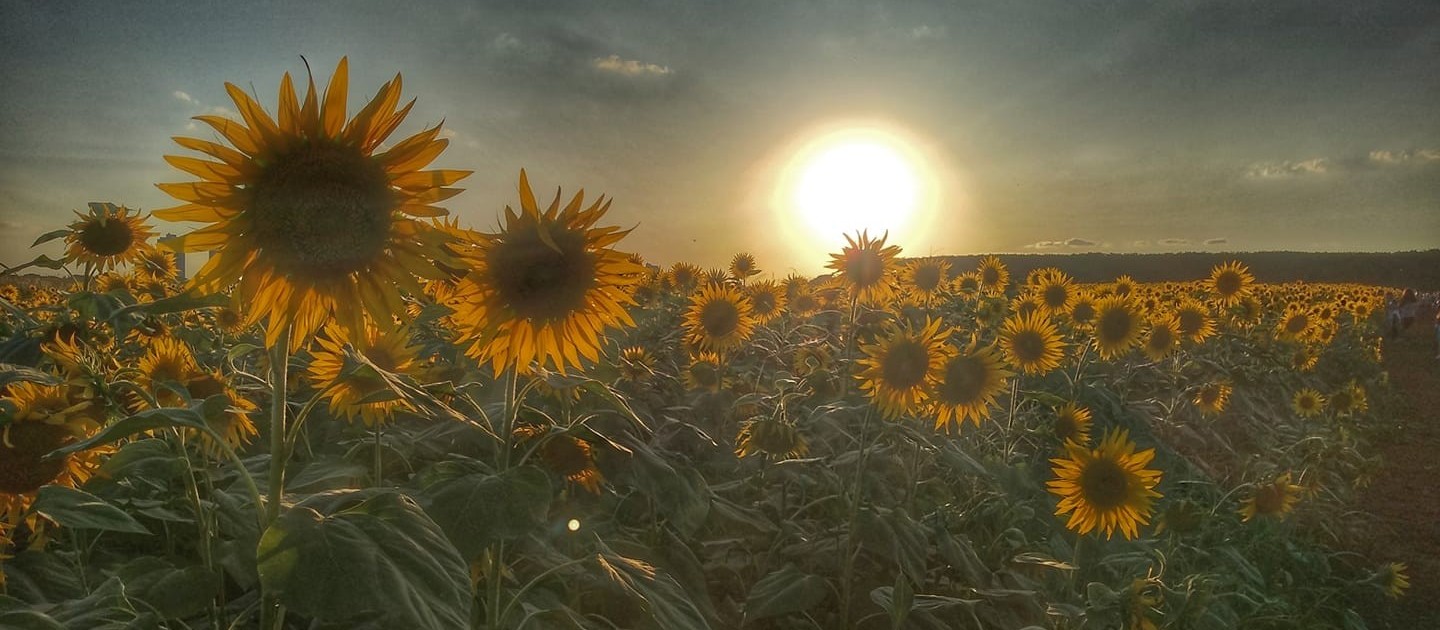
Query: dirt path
[1405,495]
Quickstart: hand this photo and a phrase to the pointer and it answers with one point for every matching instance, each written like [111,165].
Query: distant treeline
[1420,270]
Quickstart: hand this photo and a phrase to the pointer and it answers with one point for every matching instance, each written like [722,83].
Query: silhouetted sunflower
[685,277]
[767,301]
[1032,344]
[742,266]
[772,437]
[865,267]
[307,222]
[994,277]
[1105,488]
[899,369]
[108,236]
[925,279]
[967,386]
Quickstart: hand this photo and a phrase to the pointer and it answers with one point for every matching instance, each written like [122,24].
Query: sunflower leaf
[81,510]
[138,423]
[785,591]
[50,236]
[476,510]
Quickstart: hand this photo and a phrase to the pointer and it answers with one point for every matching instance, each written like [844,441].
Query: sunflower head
[1055,291]
[1123,286]
[233,424]
[720,319]
[706,373]
[157,264]
[46,417]
[1295,324]
[1163,338]
[1117,327]
[1274,499]
[865,267]
[108,236]
[994,276]
[168,361]
[357,391]
[1193,321]
[636,364]
[305,219]
[1072,423]
[1212,398]
[1082,309]
[1106,488]
[742,266]
[1032,344]
[967,386]
[767,301]
[1230,282]
[925,278]
[1393,579]
[1349,400]
[773,437]
[899,370]
[1308,403]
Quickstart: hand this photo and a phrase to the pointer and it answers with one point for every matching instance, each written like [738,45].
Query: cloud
[1173,242]
[629,67]
[1277,170]
[506,42]
[184,96]
[1216,241]
[11,225]
[1141,244]
[1080,242]
[1389,158]
[1379,158]
[925,31]
[1069,242]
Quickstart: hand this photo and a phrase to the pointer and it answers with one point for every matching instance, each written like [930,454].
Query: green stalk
[497,559]
[271,612]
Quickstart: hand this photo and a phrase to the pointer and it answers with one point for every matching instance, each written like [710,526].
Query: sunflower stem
[497,559]
[379,463]
[856,495]
[272,613]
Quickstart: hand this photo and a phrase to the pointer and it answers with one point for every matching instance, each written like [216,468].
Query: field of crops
[360,414]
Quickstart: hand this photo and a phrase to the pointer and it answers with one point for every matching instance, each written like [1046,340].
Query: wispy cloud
[1379,158]
[1382,157]
[1173,242]
[1069,242]
[1277,170]
[629,67]
[184,96]
[925,31]
[1216,241]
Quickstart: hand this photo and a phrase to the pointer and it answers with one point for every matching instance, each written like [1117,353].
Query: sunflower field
[360,414]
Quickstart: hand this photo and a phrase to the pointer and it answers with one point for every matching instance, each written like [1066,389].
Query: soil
[1404,496]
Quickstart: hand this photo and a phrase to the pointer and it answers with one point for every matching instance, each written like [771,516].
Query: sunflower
[1274,499]
[925,278]
[1193,320]
[1123,286]
[155,264]
[719,319]
[685,277]
[1212,398]
[1296,324]
[1393,579]
[168,360]
[46,417]
[1307,403]
[969,381]
[353,389]
[1117,327]
[714,277]
[112,281]
[1032,344]
[1082,309]
[772,437]
[307,222]
[865,267]
[1180,517]
[994,276]
[804,303]
[1107,487]
[1162,339]
[234,425]
[568,456]
[107,237]
[1025,305]
[1056,292]
[1349,399]
[767,301]
[898,369]
[636,364]
[705,373]
[967,284]
[1230,282]
[230,320]
[546,288]
[1072,423]
[1247,311]
[742,266]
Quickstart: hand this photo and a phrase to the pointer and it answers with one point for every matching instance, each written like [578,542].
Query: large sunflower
[1056,292]
[1107,487]
[865,267]
[108,236]
[967,386]
[349,389]
[46,418]
[545,288]
[1117,327]
[1274,499]
[1032,344]
[925,279]
[307,222]
[1230,282]
[899,369]
[994,277]
[719,319]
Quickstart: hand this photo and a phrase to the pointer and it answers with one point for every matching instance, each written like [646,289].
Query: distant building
[179,260]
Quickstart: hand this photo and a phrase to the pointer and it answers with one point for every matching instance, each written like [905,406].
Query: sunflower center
[927,278]
[719,318]
[22,468]
[1083,313]
[762,302]
[1269,499]
[1209,396]
[1115,325]
[1105,484]
[542,280]
[1160,338]
[1065,426]
[1297,323]
[322,210]
[1027,346]
[1190,322]
[990,276]
[964,381]
[705,374]
[865,268]
[107,236]
[1056,295]
[905,364]
[1228,283]
[1341,401]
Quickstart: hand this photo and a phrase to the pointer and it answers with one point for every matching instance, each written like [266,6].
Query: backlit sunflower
[1211,398]
[1107,487]
[719,319]
[1307,403]
[811,357]
[306,221]
[705,373]
[742,266]
[1163,338]
[924,279]
[994,276]
[168,360]
[1193,320]
[865,267]
[1393,579]
[1072,423]
[636,364]
[714,277]
[234,425]
[804,302]
[113,281]
[967,284]
[767,301]
[1123,286]
[546,288]
[1274,499]
[899,369]
[772,437]
[568,456]
[1117,327]
[1025,305]
[1056,292]
[107,237]
[157,264]
[685,277]
[1032,344]
[967,386]
[46,418]
[1230,282]
[348,384]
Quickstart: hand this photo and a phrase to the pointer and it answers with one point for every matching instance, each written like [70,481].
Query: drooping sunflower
[1032,344]
[1274,499]
[1230,282]
[1211,398]
[1308,403]
[772,437]
[719,319]
[569,456]
[46,418]
[1056,292]
[306,221]
[1117,327]
[545,288]
[742,266]
[234,425]
[767,301]
[994,276]
[636,364]
[1193,320]
[108,236]
[1072,423]
[1393,579]
[1105,488]
[967,386]
[705,373]
[1163,338]
[924,279]
[865,267]
[349,385]
[899,369]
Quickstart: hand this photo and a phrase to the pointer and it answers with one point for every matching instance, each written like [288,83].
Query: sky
[1046,125]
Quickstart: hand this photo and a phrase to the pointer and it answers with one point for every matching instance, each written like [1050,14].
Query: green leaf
[666,601]
[173,592]
[477,510]
[10,373]
[175,304]
[28,620]
[380,558]
[783,592]
[50,236]
[138,423]
[81,510]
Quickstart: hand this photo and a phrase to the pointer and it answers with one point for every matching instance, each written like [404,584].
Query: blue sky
[1062,125]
